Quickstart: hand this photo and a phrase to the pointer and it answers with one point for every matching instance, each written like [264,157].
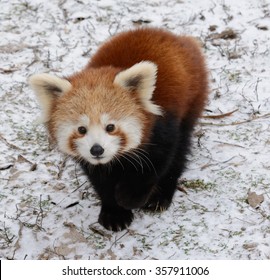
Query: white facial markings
[84,121]
[97,134]
[133,130]
[129,125]
[105,119]
[64,132]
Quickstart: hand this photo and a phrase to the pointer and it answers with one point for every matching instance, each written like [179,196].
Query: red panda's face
[101,114]
[99,139]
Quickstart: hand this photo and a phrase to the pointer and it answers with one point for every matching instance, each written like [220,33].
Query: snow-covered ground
[48,210]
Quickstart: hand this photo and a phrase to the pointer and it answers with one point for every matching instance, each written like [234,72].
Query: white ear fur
[142,78]
[48,87]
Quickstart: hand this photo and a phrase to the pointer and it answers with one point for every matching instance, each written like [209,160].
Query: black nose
[96,150]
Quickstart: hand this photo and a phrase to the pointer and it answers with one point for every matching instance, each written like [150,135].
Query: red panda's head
[98,114]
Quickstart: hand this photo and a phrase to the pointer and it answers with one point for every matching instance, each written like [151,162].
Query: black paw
[157,204]
[115,220]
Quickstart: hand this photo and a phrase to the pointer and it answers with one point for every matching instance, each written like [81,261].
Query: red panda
[128,117]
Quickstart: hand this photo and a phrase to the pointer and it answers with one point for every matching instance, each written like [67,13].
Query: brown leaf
[227,34]
[250,246]
[254,200]
[262,27]
[213,28]
[141,21]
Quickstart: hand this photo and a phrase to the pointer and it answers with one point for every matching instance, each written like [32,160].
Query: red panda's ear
[48,87]
[141,78]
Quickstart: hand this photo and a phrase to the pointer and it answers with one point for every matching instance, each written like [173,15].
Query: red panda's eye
[82,130]
[110,127]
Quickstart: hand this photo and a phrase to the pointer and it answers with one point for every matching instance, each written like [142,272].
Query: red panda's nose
[96,150]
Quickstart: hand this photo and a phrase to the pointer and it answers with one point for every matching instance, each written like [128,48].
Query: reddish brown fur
[181,85]
[123,138]
[72,140]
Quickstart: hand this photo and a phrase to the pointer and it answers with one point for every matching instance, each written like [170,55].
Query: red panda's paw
[115,219]
[157,204]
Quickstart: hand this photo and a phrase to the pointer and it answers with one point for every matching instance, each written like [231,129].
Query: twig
[6,237]
[36,57]
[61,168]
[237,123]
[17,243]
[39,218]
[72,204]
[79,187]
[200,205]
[8,71]
[256,88]
[6,167]
[251,223]
[215,163]
[117,239]
[220,116]
[230,144]
[12,146]
[99,232]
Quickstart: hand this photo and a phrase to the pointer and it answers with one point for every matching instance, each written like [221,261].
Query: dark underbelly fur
[147,179]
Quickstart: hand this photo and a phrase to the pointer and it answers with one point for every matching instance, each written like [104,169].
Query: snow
[49,210]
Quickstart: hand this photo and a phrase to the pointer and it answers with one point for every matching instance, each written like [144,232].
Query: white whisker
[139,161]
[125,157]
[145,158]
[116,158]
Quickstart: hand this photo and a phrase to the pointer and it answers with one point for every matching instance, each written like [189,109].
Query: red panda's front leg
[112,216]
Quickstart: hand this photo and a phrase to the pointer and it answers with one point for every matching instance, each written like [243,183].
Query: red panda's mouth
[98,160]
[97,157]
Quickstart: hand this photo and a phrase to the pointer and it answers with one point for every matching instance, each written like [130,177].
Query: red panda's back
[181,79]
